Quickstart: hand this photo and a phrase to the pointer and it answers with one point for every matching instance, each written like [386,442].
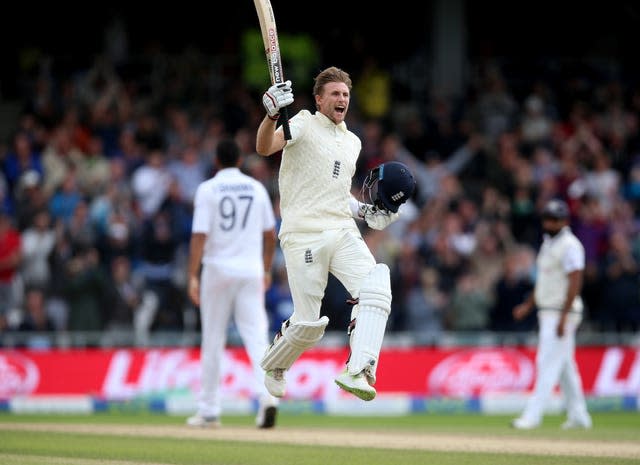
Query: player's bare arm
[268,140]
[575,285]
[268,251]
[523,309]
[196,248]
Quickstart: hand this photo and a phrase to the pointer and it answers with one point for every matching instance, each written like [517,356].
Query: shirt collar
[328,123]
[229,170]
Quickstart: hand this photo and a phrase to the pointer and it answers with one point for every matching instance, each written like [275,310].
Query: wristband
[274,117]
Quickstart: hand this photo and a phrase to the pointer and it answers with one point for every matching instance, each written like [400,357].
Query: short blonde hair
[331,74]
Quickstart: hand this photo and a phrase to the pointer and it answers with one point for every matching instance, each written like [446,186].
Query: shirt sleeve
[201,212]
[297,125]
[573,258]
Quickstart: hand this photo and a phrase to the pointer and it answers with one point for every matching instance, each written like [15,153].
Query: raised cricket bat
[272,51]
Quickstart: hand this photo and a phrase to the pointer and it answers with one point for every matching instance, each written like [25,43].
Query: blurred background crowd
[103,151]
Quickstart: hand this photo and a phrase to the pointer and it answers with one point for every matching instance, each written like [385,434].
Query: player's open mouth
[340,109]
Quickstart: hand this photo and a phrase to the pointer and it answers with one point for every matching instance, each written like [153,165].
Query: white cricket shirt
[558,256]
[233,210]
[316,172]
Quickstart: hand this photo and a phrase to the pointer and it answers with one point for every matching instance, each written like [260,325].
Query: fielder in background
[319,235]
[560,267]
[231,251]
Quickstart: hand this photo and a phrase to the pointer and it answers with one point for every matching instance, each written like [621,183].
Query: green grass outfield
[116,438]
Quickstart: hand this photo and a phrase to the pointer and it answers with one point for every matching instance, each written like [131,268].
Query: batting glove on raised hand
[377,218]
[277,97]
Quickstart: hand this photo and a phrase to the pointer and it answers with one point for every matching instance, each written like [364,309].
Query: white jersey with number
[316,172]
[233,210]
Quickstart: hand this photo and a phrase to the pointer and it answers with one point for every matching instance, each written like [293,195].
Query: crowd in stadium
[100,169]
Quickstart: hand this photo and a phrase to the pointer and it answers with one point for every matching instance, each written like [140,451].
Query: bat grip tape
[284,120]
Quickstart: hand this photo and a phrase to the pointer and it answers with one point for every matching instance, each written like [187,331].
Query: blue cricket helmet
[394,184]
[556,209]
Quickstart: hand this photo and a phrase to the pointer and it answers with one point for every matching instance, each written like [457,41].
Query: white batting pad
[373,311]
[295,339]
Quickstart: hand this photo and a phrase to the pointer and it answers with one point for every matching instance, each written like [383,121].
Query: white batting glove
[276,97]
[376,218]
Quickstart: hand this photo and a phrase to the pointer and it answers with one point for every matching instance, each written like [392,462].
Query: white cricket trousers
[224,297]
[555,363]
[310,257]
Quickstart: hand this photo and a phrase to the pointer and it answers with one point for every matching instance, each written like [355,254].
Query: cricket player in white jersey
[560,268]
[231,251]
[319,235]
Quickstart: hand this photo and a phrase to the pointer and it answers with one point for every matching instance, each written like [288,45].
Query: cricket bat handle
[284,120]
